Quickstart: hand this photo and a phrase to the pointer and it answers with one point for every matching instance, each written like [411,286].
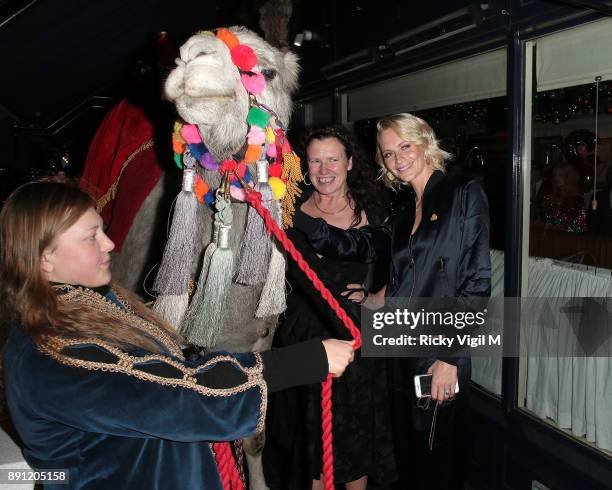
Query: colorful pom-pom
[210,197]
[228,166]
[191,134]
[252,154]
[208,162]
[287,146]
[178,146]
[254,83]
[237,193]
[271,151]
[240,172]
[275,170]
[178,160]
[200,188]
[270,136]
[256,136]
[230,40]
[279,189]
[243,57]
[258,117]
[198,150]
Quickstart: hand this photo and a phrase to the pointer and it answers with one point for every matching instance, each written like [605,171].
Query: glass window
[568,235]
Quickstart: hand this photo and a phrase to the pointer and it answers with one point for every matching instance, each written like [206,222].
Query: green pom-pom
[258,117]
[178,159]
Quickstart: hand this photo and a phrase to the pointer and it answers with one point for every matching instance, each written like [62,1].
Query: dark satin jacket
[448,256]
[131,419]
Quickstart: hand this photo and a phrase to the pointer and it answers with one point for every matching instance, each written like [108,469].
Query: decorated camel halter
[272,205]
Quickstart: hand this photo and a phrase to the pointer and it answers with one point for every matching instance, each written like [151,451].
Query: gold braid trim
[54,347]
[292,174]
[90,299]
[110,194]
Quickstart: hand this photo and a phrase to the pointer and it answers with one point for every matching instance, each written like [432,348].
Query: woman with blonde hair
[438,242]
[97,386]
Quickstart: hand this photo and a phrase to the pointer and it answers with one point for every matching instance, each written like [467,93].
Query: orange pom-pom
[200,189]
[178,146]
[252,153]
[230,40]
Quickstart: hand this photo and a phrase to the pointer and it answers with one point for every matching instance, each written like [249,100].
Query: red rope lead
[254,199]
[228,471]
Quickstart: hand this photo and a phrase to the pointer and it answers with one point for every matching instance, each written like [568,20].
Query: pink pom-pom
[243,57]
[271,151]
[190,134]
[256,136]
[254,84]
[237,193]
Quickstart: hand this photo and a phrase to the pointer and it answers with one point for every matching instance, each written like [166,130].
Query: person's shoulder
[464,183]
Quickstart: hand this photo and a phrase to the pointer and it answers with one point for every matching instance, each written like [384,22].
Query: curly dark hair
[364,188]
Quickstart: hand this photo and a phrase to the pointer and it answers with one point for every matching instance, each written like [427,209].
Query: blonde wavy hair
[415,130]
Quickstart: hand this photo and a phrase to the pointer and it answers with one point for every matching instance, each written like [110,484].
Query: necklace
[330,212]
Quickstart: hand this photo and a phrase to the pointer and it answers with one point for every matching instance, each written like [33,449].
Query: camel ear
[291,72]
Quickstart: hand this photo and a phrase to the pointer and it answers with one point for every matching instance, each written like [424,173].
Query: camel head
[207,89]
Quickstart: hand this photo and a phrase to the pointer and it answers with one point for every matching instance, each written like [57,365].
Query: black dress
[362,438]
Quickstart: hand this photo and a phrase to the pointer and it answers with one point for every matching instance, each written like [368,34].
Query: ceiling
[56,54]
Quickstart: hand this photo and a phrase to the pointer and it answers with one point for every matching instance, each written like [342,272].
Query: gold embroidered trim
[92,299]
[111,193]
[126,365]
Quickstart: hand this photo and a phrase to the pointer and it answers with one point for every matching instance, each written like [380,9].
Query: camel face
[207,90]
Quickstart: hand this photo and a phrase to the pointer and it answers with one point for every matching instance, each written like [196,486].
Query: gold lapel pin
[434,217]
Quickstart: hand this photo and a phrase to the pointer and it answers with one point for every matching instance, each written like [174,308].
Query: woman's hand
[360,295]
[356,293]
[444,380]
[340,354]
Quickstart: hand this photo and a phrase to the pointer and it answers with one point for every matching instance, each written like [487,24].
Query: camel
[207,90]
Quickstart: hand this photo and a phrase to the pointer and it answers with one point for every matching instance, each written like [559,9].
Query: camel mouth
[207,98]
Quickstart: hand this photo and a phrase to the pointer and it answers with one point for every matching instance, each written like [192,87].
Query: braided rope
[254,199]
[230,476]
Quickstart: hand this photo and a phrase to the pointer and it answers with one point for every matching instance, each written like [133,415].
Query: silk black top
[447,256]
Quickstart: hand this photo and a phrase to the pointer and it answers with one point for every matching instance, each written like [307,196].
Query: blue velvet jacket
[131,419]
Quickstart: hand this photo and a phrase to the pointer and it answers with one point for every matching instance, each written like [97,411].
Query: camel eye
[268,73]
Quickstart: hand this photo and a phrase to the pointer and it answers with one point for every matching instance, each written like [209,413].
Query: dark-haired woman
[438,243]
[343,191]
[97,385]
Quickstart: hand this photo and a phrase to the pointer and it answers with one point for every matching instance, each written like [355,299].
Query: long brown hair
[33,216]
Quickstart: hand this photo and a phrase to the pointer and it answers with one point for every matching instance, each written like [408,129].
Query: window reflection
[571,188]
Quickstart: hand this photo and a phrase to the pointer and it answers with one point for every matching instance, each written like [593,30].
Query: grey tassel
[207,316]
[171,307]
[272,300]
[175,268]
[191,325]
[254,257]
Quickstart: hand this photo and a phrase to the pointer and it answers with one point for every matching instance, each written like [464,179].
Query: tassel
[175,268]
[191,328]
[206,316]
[273,298]
[171,307]
[255,250]
[292,175]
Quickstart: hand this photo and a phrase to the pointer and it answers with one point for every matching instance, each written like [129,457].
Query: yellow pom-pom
[270,136]
[279,188]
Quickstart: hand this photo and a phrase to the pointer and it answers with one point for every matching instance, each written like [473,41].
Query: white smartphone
[422,385]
